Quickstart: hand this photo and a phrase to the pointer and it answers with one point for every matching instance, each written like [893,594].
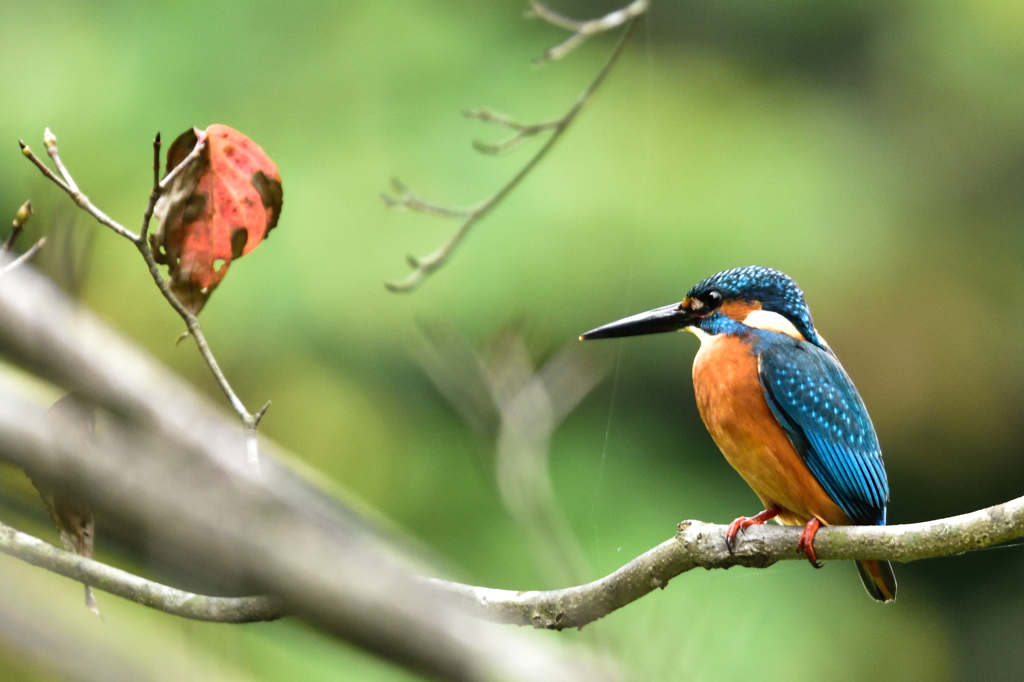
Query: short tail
[878,579]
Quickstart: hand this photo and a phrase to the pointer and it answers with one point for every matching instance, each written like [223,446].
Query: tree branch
[68,184]
[423,267]
[702,545]
[139,590]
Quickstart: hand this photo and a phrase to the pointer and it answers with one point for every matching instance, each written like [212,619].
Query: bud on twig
[23,214]
[49,139]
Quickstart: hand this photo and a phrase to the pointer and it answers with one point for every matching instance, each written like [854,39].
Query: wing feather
[818,406]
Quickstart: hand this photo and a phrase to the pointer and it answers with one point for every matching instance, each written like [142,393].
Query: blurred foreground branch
[403,198]
[521,407]
[164,463]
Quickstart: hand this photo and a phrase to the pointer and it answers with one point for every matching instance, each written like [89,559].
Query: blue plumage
[819,408]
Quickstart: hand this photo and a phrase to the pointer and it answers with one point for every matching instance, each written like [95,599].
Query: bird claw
[744,522]
[734,528]
[806,542]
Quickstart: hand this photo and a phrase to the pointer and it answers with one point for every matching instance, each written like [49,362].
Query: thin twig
[139,590]
[582,29]
[50,141]
[76,195]
[523,131]
[141,242]
[423,267]
[154,195]
[403,198]
[25,257]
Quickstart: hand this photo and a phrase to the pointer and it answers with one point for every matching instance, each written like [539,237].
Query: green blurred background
[872,150]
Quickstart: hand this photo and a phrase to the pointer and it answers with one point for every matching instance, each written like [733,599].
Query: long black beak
[668,318]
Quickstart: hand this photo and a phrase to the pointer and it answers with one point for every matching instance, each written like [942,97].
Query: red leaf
[217,209]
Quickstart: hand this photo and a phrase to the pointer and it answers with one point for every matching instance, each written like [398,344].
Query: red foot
[743,522]
[806,543]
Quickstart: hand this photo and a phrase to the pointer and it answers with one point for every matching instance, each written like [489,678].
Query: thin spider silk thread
[644,200]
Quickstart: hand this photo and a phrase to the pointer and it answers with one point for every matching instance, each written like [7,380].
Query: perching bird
[779,406]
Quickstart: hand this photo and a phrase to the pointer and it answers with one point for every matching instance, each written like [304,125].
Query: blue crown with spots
[774,290]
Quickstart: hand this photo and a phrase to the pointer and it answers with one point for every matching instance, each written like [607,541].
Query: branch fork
[66,182]
[405,199]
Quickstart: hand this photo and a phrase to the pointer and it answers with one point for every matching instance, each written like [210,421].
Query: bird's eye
[713,299]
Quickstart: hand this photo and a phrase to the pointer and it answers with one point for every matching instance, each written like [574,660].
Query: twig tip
[259,415]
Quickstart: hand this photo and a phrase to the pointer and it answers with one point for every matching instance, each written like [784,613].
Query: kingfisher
[779,406]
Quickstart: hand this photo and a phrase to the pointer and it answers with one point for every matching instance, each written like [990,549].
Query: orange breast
[736,413]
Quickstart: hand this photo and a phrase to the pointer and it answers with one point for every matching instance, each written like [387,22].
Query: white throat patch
[701,334]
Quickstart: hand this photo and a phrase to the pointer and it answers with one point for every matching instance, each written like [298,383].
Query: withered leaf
[219,209]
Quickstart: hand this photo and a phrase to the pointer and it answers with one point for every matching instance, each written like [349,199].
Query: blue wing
[827,422]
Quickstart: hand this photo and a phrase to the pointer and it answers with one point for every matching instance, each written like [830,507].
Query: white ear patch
[765,319]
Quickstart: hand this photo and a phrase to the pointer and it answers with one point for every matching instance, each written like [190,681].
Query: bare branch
[72,189]
[582,29]
[523,131]
[423,267]
[139,590]
[68,184]
[403,198]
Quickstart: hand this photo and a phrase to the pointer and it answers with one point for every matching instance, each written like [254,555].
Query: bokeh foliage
[874,151]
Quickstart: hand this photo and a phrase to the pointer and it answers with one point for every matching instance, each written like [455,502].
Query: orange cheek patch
[738,310]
